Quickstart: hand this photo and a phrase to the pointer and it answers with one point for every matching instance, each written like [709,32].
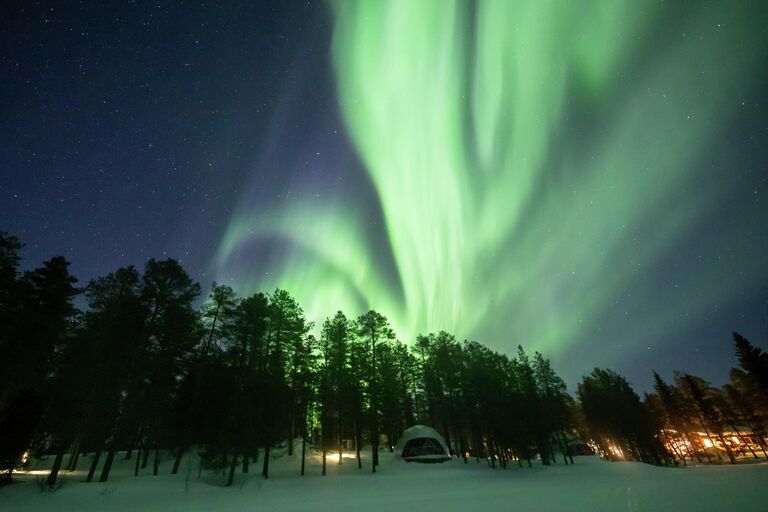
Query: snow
[589,485]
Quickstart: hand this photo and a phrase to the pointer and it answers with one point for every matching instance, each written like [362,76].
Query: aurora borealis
[534,162]
[587,179]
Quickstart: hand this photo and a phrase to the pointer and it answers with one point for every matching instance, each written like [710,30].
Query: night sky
[587,179]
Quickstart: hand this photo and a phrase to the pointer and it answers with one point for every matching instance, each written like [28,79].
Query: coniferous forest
[139,371]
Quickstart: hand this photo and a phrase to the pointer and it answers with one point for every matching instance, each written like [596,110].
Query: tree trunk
[265,469]
[107,464]
[246,459]
[134,441]
[543,451]
[491,454]
[213,328]
[341,435]
[138,463]
[744,441]
[156,463]
[145,457]
[559,439]
[177,462]
[74,456]
[478,447]
[303,451]
[704,448]
[712,442]
[567,448]
[293,431]
[761,442]
[94,465]
[689,451]
[408,409]
[447,433]
[232,465]
[693,447]
[374,442]
[53,475]
[323,461]
[374,418]
[357,445]
[679,454]
[727,447]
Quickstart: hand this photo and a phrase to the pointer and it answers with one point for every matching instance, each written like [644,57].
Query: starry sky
[587,179]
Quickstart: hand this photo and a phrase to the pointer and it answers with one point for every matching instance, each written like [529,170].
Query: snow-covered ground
[589,485]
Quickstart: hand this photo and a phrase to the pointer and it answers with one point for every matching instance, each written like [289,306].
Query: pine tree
[754,362]
[555,410]
[674,413]
[373,328]
[617,419]
[118,320]
[36,315]
[699,392]
[168,293]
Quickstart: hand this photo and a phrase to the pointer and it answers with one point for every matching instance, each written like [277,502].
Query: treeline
[687,420]
[144,372]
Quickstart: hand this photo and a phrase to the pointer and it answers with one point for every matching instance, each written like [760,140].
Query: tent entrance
[421,446]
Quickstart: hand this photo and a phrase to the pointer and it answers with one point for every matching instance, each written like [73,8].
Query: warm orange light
[335,456]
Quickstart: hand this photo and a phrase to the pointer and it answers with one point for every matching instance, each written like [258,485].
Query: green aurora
[532,161]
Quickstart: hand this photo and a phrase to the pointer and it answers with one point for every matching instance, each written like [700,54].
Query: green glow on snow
[498,211]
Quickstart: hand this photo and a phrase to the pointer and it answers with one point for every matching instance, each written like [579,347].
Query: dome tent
[420,443]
